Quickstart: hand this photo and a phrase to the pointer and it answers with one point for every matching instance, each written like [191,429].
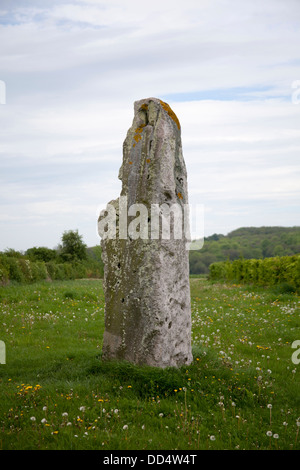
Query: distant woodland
[247,243]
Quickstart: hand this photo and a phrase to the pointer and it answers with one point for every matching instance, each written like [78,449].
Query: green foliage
[25,267]
[247,243]
[41,254]
[10,252]
[73,260]
[73,248]
[61,271]
[4,270]
[51,269]
[39,271]
[4,276]
[14,270]
[284,271]
[21,270]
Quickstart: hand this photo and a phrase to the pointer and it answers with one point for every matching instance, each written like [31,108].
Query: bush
[26,269]
[56,271]
[39,271]
[4,274]
[68,270]
[41,254]
[51,269]
[15,272]
[23,270]
[79,271]
[283,271]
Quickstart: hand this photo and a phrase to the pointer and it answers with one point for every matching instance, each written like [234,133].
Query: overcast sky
[230,69]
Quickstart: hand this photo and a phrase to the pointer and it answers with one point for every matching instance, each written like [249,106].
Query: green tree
[267,248]
[72,248]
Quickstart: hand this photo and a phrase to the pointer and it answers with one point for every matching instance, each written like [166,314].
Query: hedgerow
[261,272]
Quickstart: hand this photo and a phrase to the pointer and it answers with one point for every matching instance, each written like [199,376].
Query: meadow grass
[240,392]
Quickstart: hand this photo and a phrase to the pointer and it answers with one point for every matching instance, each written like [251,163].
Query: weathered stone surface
[146,281]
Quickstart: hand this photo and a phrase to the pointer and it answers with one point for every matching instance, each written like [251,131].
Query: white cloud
[73,69]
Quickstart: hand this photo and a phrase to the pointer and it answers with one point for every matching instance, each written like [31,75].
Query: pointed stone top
[144,104]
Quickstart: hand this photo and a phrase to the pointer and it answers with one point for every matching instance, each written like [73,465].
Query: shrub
[26,269]
[4,275]
[51,269]
[15,272]
[39,271]
[283,271]
[41,254]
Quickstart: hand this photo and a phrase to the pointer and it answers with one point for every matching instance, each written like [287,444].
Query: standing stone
[146,275]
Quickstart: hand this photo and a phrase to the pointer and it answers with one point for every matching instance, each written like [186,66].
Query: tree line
[246,243]
[72,259]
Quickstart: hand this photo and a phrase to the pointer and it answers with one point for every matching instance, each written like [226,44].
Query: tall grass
[240,392]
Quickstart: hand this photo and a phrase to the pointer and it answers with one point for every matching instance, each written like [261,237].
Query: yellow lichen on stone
[170,113]
[140,129]
[137,137]
[179,195]
[144,106]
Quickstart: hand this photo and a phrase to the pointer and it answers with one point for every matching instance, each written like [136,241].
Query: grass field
[240,392]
